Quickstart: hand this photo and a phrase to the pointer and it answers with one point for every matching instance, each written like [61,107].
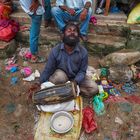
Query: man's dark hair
[72,24]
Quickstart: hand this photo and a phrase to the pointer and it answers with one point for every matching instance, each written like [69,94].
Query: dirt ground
[17,114]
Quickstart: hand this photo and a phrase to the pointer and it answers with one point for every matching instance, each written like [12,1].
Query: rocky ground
[121,120]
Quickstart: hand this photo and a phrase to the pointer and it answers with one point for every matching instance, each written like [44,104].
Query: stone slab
[7,48]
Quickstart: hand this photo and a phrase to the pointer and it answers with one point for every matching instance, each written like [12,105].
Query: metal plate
[61,122]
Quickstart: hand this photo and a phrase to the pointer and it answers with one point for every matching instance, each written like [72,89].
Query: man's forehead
[71,27]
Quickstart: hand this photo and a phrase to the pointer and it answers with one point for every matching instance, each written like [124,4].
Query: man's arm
[61,4]
[82,72]
[49,68]
[85,10]
[34,6]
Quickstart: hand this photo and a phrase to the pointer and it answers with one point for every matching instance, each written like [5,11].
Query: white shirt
[25,4]
[76,4]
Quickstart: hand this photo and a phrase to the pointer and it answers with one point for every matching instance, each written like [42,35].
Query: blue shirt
[76,4]
[74,64]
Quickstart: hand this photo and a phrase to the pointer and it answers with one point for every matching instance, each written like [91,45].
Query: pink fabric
[26,71]
[93,20]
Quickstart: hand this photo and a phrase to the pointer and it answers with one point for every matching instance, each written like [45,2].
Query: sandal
[37,59]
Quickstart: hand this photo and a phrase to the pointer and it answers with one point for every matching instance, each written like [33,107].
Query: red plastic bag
[89,123]
[8,29]
[5,11]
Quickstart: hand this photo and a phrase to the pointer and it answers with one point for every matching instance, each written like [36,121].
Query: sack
[134,16]
[5,11]
[8,29]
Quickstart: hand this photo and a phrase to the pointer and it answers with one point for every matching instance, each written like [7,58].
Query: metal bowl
[61,122]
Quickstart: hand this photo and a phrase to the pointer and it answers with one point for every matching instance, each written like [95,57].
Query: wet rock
[120,73]
[126,57]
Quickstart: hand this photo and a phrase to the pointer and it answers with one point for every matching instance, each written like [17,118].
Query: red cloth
[89,123]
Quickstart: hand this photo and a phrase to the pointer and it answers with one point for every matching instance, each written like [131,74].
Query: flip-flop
[38,59]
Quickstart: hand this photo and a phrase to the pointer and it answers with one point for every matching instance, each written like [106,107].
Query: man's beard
[71,42]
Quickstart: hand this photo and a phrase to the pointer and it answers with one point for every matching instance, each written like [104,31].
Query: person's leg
[59,77]
[88,88]
[34,33]
[84,25]
[60,17]
[47,14]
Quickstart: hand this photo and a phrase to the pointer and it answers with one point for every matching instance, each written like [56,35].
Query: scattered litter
[125,107]
[10,61]
[25,53]
[114,92]
[26,71]
[32,77]
[10,107]
[118,120]
[8,67]
[37,74]
[14,80]
[88,122]
[14,69]
[129,87]
[93,20]
[98,105]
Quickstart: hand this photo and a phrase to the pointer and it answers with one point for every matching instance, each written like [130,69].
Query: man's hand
[83,14]
[75,85]
[71,11]
[32,89]
[34,6]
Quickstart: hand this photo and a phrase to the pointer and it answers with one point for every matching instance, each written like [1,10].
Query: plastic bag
[98,105]
[134,16]
[89,123]
[8,29]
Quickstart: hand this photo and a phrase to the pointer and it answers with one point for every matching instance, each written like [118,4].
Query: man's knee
[55,10]
[59,77]
[89,88]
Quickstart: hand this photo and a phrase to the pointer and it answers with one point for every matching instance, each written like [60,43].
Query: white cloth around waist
[25,4]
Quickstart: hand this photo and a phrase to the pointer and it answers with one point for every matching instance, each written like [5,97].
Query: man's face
[71,36]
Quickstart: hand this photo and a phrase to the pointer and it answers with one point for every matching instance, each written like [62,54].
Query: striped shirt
[25,4]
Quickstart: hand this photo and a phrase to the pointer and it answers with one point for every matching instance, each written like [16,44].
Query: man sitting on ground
[68,61]
[73,10]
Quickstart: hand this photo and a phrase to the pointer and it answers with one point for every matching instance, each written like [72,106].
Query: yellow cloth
[43,131]
[134,16]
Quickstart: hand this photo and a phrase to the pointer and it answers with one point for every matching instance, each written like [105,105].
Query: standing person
[35,9]
[73,10]
[68,61]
